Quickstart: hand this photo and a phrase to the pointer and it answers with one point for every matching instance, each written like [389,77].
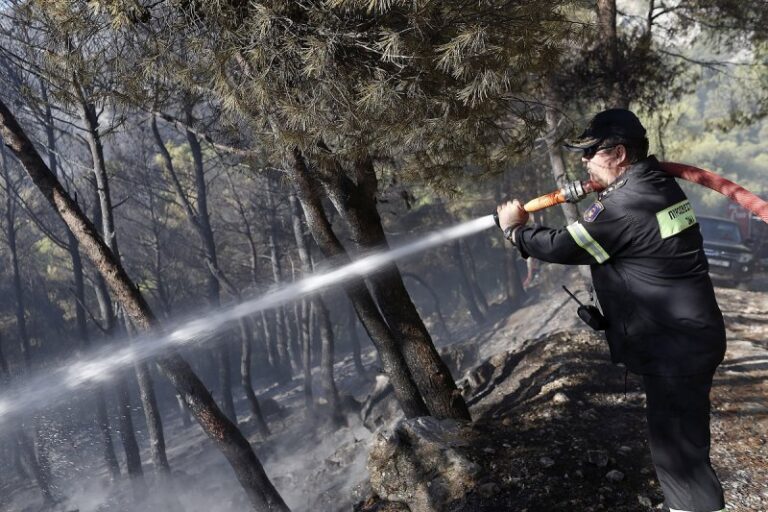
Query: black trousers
[678,425]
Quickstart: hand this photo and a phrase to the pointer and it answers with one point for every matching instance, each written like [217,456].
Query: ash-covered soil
[559,427]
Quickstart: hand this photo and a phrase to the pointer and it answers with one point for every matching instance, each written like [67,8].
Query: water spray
[51,387]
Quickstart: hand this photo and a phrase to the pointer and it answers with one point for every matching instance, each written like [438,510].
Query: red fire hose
[577,190]
[709,179]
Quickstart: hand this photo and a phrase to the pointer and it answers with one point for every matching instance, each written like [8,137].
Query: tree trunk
[270,336]
[39,466]
[326,361]
[513,284]
[555,152]
[154,422]
[326,332]
[225,435]
[133,457]
[246,339]
[354,341]
[302,317]
[436,299]
[305,340]
[356,203]
[99,394]
[557,161]
[609,42]
[209,249]
[392,358]
[473,281]
[125,419]
[464,284]
[283,359]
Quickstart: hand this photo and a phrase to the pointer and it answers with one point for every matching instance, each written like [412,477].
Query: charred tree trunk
[303,249]
[306,351]
[513,284]
[609,43]
[326,361]
[283,358]
[99,394]
[436,299]
[39,466]
[209,248]
[246,337]
[326,332]
[356,203]
[125,418]
[225,435]
[245,378]
[354,341]
[151,413]
[389,350]
[465,286]
[473,281]
[555,152]
[90,120]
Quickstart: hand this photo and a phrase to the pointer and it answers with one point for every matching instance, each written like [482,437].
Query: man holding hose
[644,248]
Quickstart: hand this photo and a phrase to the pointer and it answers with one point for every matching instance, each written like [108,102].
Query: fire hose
[575,191]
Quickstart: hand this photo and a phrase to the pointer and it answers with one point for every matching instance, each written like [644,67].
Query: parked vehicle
[730,258]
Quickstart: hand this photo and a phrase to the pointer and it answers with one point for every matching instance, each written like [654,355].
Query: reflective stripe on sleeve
[584,240]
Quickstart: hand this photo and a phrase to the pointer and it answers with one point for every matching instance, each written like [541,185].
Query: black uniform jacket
[650,274]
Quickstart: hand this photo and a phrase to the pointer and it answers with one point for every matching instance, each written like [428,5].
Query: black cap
[615,123]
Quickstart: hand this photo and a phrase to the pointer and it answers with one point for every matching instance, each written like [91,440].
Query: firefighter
[650,275]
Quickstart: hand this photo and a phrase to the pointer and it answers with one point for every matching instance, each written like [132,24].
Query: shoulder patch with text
[593,211]
[676,218]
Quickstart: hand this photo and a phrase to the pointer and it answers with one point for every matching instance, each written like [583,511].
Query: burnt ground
[559,430]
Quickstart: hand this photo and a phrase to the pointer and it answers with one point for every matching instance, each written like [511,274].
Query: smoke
[53,386]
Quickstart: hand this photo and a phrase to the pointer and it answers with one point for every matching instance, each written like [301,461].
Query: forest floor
[560,429]
[557,428]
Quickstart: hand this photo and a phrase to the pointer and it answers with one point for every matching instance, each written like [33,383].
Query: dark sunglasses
[590,152]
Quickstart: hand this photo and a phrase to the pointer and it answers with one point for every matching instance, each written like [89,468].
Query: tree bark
[513,284]
[225,435]
[91,123]
[356,203]
[326,361]
[302,317]
[209,249]
[609,43]
[125,417]
[354,341]
[465,286]
[555,152]
[326,332]
[99,393]
[39,466]
[474,281]
[246,338]
[392,359]
[436,299]
[283,358]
